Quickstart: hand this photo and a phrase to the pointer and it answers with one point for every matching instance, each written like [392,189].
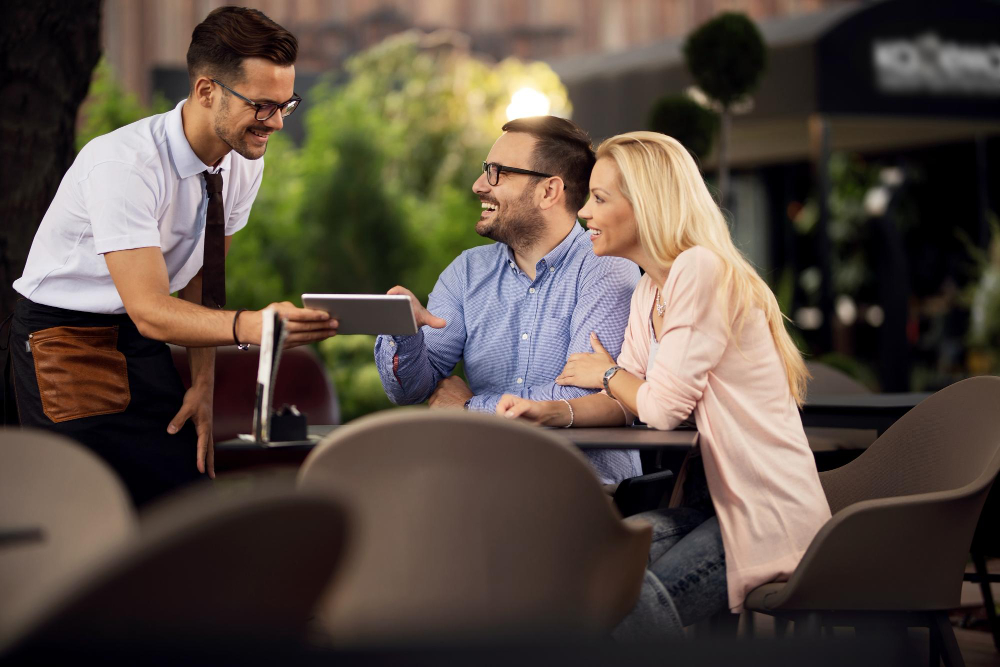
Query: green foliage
[726,57]
[107,107]
[983,298]
[351,364]
[686,121]
[379,193]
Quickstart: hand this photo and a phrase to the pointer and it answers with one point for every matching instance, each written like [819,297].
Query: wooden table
[239,454]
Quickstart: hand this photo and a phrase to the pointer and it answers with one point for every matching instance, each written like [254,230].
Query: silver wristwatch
[608,374]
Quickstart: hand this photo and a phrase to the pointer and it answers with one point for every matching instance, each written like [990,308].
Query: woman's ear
[553,194]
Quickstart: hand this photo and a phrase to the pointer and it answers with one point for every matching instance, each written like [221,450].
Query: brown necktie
[213,271]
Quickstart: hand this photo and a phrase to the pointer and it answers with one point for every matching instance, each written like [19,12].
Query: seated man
[515,310]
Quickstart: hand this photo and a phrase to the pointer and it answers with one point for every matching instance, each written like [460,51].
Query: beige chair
[207,570]
[904,512]
[468,525]
[827,380]
[61,510]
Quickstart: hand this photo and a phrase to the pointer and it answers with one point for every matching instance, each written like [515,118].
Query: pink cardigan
[758,464]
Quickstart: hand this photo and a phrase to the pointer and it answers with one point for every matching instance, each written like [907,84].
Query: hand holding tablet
[398,313]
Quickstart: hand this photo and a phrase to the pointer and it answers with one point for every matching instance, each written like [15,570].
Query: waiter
[146,211]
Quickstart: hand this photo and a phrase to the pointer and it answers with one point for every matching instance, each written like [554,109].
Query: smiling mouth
[489,208]
[594,232]
[262,135]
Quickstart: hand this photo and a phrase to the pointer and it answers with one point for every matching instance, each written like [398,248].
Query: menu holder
[272,340]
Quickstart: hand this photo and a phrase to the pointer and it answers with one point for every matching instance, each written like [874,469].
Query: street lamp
[528,102]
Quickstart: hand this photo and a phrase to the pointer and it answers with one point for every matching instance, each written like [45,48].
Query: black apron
[94,378]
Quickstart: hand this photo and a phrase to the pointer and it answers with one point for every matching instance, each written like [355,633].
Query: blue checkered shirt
[515,333]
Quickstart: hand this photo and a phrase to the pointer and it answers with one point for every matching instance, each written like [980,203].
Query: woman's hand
[543,413]
[587,369]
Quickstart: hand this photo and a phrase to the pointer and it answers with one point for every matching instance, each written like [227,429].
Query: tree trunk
[48,49]
[727,123]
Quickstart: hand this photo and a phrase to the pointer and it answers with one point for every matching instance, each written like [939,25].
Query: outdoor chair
[904,512]
[469,526]
[831,443]
[302,381]
[61,510]
[207,570]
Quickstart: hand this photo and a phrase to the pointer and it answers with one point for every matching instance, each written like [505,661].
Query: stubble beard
[235,139]
[520,227]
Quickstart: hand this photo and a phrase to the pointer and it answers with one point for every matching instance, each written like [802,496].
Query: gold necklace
[660,307]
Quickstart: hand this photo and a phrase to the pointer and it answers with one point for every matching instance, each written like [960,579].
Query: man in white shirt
[145,211]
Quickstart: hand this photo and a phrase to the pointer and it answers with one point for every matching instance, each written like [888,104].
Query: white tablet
[367,313]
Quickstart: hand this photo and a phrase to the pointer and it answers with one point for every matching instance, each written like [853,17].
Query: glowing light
[528,102]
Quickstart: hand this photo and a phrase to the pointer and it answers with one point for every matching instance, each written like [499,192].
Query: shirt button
[531,289]
[392,343]
[524,336]
[520,380]
[552,269]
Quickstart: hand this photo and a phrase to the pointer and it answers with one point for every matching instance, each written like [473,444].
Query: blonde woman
[705,336]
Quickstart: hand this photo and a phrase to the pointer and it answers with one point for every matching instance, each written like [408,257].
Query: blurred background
[854,144]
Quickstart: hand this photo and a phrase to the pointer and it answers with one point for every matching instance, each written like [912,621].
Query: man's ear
[553,194]
[202,91]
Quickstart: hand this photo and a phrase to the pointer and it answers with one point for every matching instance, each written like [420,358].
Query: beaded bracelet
[570,412]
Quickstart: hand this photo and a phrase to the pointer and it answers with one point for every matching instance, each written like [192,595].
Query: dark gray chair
[471,526]
[829,443]
[904,513]
[206,568]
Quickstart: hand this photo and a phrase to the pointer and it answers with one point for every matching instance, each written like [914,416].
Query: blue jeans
[685,581]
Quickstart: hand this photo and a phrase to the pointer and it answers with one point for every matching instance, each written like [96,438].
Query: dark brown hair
[562,149]
[228,35]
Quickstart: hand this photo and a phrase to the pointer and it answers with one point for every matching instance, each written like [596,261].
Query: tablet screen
[367,313]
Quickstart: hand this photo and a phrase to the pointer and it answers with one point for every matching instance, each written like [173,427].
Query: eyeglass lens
[265,111]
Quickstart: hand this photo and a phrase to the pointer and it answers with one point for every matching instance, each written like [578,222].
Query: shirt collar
[185,161]
[554,256]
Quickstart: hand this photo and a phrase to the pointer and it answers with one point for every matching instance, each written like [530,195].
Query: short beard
[520,227]
[236,142]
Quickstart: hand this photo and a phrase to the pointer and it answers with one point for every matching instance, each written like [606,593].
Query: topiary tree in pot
[726,56]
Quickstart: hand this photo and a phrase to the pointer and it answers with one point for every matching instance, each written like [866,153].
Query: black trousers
[97,380]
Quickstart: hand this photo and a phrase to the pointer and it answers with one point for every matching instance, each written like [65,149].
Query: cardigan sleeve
[693,341]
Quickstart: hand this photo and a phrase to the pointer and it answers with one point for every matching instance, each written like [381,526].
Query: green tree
[380,191]
[108,107]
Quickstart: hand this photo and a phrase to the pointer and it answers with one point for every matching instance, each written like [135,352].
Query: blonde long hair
[674,211]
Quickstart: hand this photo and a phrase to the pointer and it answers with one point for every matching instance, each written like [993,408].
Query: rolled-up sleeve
[692,343]
[122,201]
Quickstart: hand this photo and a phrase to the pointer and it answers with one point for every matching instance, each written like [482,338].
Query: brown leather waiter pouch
[80,372]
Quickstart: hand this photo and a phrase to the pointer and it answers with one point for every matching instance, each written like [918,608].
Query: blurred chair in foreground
[827,380]
[469,527]
[302,381]
[206,570]
[61,510]
[904,512]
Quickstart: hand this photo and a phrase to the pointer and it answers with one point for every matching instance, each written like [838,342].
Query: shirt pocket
[80,372]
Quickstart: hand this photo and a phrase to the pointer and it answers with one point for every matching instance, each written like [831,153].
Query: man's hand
[305,325]
[544,413]
[421,314]
[451,392]
[587,369]
[197,407]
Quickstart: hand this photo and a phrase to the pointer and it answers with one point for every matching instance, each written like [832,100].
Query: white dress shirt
[137,187]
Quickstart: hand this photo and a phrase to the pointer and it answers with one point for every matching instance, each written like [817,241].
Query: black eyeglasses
[492,171]
[264,111]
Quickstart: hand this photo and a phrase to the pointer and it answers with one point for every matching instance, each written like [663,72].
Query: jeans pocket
[80,372]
